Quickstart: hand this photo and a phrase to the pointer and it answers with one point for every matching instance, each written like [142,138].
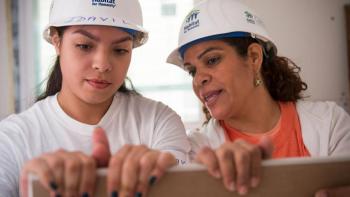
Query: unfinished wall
[313,34]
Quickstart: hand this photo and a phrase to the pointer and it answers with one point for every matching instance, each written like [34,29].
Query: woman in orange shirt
[88,117]
[251,97]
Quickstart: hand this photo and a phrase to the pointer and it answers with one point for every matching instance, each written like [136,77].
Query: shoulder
[27,121]
[319,109]
[19,133]
[325,127]
[320,114]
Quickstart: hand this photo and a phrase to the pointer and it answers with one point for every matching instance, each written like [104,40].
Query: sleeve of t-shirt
[340,135]
[11,159]
[170,134]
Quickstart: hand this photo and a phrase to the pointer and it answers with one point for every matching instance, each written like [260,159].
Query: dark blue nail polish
[138,194]
[85,194]
[114,194]
[53,186]
[152,180]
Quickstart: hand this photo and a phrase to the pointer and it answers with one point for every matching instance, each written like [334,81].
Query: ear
[255,56]
[55,40]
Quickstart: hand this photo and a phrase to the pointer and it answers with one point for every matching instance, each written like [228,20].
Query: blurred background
[313,33]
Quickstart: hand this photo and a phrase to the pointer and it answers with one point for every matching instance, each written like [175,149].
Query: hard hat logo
[106,3]
[253,19]
[192,16]
[250,17]
[191,21]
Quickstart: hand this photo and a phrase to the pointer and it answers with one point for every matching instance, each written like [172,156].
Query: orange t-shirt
[286,135]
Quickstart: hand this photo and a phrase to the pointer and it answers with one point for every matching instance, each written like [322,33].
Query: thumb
[100,147]
[266,146]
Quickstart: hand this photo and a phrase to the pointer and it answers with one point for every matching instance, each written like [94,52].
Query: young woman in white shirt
[87,117]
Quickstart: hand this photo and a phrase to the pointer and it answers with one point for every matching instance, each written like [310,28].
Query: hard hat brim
[176,56]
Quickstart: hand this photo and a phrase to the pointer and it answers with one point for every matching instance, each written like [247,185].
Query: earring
[257,81]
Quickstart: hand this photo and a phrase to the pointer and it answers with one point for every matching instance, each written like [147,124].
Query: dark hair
[279,74]
[54,82]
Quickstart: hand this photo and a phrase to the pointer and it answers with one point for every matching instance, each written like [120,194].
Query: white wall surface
[26,54]
[313,34]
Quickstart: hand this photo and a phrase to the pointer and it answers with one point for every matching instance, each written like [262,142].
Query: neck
[82,111]
[258,115]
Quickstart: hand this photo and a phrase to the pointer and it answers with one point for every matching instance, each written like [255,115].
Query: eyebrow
[187,66]
[207,51]
[203,53]
[93,37]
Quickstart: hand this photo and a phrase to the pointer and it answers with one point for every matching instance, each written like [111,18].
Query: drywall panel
[313,34]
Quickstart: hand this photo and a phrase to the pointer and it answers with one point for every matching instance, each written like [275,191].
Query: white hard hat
[216,19]
[125,14]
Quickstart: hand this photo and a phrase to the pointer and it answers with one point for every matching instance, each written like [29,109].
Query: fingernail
[231,186]
[57,195]
[152,180]
[53,186]
[242,190]
[254,182]
[114,194]
[322,193]
[85,194]
[217,174]
[138,194]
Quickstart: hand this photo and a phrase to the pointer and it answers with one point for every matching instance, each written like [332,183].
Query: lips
[98,84]
[211,97]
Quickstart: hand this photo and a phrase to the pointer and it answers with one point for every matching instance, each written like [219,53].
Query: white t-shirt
[45,127]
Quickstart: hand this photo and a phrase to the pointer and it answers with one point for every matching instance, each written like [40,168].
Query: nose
[201,78]
[102,62]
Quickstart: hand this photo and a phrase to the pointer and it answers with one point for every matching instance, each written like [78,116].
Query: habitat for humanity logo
[107,3]
[191,21]
[252,18]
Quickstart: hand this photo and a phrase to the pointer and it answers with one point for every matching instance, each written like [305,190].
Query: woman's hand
[130,171]
[66,173]
[237,163]
[334,192]
[134,168]
[62,173]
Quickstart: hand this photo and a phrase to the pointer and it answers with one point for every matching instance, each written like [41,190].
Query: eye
[120,51]
[213,60]
[191,71]
[84,47]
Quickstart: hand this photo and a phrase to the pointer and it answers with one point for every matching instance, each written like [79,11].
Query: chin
[218,114]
